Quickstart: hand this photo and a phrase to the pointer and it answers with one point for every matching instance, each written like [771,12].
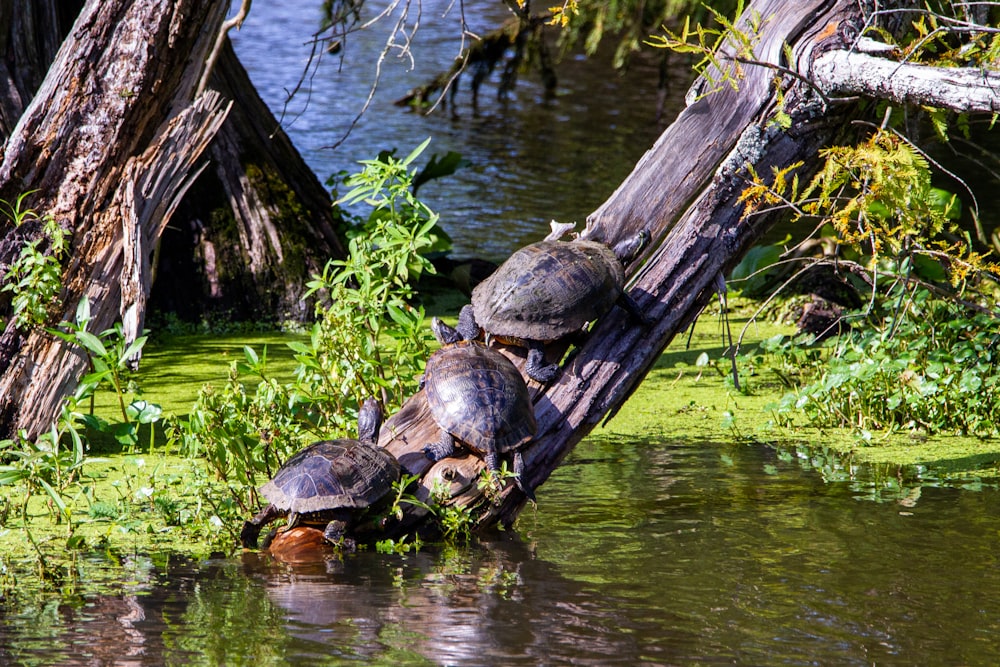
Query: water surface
[657,553]
[532,159]
[639,553]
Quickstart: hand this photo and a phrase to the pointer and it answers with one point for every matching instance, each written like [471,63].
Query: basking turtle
[477,396]
[329,482]
[548,290]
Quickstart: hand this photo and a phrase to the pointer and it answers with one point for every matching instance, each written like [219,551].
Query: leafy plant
[933,367]
[369,339]
[454,521]
[46,467]
[720,67]
[110,356]
[34,277]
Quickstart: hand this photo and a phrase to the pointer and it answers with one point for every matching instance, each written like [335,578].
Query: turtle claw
[441,449]
[537,369]
[519,472]
[334,534]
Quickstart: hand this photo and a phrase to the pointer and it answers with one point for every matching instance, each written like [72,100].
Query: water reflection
[638,554]
[496,603]
[532,159]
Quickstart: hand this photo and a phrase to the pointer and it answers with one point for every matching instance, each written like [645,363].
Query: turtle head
[630,248]
[370,420]
[444,333]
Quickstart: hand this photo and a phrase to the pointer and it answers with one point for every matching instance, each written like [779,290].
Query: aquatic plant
[34,277]
[932,365]
[111,357]
[368,339]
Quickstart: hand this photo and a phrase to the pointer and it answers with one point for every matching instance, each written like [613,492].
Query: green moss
[679,400]
[147,501]
[288,214]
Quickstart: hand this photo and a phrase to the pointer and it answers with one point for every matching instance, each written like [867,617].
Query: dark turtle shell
[332,474]
[548,290]
[477,394]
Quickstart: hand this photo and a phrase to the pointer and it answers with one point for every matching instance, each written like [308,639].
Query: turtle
[329,482]
[477,396]
[549,290]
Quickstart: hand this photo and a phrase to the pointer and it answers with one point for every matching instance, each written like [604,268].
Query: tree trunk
[108,144]
[254,227]
[684,191]
[249,232]
[245,234]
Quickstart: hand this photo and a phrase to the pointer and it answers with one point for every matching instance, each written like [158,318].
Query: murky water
[532,159]
[656,553]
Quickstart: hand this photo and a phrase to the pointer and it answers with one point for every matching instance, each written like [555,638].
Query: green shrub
[368,340]
[932,365]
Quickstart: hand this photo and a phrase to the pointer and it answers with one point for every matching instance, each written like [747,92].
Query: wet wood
[684,192]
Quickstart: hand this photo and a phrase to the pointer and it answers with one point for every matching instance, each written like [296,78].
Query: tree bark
[251,229]
[684,191]
[859,72]
[245,234]
[254,227]
[108,144]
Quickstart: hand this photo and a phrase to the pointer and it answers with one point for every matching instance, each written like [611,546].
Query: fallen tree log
[684,191]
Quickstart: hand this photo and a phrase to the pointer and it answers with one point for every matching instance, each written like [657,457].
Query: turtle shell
[549,289]
[478,395]
[332,474]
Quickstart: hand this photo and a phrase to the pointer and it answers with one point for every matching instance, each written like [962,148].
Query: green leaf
[91,343]
[56,498]
[132,350]
[11,475]
[416,152]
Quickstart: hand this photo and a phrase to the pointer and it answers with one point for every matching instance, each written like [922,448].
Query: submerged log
[684,191]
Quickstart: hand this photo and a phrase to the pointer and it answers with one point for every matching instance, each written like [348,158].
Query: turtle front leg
[629,305]
[252,527]
[335,533]
[536,368]
[443,448]
[467,324]
[519,479]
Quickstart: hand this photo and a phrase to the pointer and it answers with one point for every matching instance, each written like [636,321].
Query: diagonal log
[684,191]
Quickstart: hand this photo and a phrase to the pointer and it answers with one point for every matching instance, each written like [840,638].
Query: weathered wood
[684,191]
[253,227]
[123,75]
[857,72]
